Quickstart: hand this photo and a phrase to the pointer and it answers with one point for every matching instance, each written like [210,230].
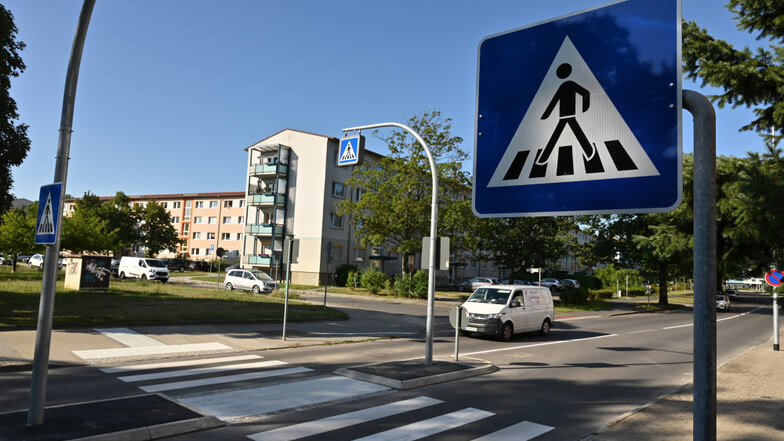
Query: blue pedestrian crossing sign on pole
[581,114]
[351,150]
[47,222]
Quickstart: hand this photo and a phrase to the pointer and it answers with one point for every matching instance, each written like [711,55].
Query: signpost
[351,150]
[581,114]
[774,278]
[47,222]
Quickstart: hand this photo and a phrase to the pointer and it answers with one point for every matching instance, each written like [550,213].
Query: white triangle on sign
[47,219]
[348,154]
[608,149]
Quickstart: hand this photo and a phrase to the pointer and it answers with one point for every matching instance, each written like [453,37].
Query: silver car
[251,280]
[473,283]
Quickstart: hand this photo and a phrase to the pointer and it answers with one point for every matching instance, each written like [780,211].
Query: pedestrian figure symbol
[597,145]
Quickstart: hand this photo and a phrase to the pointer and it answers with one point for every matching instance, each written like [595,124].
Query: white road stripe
[199,371]
[171,364]
[302,430]
[679,326]
[267,399]
[429,427]
[221,380]
[519,432]
[539,344]
[91,354]
[129,337]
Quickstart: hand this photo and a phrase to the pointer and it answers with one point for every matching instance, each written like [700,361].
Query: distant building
[20,203]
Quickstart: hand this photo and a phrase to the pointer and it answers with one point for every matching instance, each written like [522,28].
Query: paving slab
[408,374]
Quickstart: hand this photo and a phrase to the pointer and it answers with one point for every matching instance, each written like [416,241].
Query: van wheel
[256,289]
[229,287]
[122,275]
[182,269]
[545,331]
[507,331]
[144,276]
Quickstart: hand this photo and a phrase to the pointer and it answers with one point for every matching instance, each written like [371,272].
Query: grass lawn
[135,301]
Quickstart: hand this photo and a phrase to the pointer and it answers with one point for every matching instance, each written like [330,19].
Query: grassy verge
[142,302]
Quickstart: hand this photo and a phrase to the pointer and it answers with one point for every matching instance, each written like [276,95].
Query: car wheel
[144,276]
[552,288]
[229,287]
[122,275]
[460,288]
[256,289]
[507,331]
[465,333]
[182,269]
[545,331]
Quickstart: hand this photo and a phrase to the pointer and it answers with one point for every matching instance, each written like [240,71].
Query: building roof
[292,130]
[224,194]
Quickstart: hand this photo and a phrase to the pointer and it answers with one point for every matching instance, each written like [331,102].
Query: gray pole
[431,274]
[35,415]
[704,428]
[775,320]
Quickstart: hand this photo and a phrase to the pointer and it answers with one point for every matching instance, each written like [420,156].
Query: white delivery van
[143,268]
[505,310]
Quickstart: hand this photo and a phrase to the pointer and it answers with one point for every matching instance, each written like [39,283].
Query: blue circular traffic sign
[774,277]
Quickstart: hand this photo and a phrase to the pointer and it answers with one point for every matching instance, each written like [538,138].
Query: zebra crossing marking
[518,432]
[221,380]
[237,404]
[323,425]
[199,371]
[430,426]
[183,363]
[129,337]
[94,354]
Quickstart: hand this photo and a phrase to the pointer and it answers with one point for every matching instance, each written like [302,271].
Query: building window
[335,221]
[335,154]
[196,235]
[239,236]
[242,204]
[199,204]
[226,219]
[185,229]
[213,204]
[197,220]
[175,219]
[207,252]
[212,220]
[194,251]
[210,236]
[338,190]
[225,236]
[187,216]
[337,253]
[359,254]
[227,204]
[176,205]
[165,205]
[358,194]
[240,219]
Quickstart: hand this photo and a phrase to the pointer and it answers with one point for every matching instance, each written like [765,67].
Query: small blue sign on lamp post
[47,222]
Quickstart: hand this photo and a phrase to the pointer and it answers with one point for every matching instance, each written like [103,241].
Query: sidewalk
[750,405]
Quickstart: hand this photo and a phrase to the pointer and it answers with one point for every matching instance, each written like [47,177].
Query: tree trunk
[663,270]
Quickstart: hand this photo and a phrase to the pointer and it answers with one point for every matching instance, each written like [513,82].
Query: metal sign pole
[35,415]
[704,428]
[775,320]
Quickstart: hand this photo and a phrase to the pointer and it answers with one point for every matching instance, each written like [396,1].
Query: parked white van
[505,310]
[143,268]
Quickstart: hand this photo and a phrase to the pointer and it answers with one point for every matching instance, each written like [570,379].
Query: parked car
[36,260]
[251,280]
[143,268]
[553,284]
[175,264]
[733,293]
[114,267]
[570,283]
[722,302]
[475,282]
[505,310]
[20,257]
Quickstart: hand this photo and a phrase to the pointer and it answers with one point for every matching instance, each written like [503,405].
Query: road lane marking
[199,371]
[171,364]
[224,379]
[91,354]
[310,428]
[431,426]
[519,432]
[267,399]
[539,344]
[679,326]
[129,337]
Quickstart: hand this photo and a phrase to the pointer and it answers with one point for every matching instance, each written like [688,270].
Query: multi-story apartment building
[203,221]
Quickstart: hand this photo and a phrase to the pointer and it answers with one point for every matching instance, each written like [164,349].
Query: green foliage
[402,286]
[15,143]
[353,279]
[85,231]
[610,276]
[374,281]
[157,232]
[343,272]
[415,284]
[17,232]
[574,296]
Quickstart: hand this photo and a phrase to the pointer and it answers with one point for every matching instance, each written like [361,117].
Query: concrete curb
[159,431]
[479,367]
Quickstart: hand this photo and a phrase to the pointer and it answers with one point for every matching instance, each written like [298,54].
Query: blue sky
[171,92]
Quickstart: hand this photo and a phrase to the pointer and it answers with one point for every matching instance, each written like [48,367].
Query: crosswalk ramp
[421,427]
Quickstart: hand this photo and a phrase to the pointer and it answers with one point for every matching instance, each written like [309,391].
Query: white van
[505,310]
[143,268]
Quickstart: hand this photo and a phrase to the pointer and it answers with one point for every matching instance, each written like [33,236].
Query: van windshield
[490,295]
[155,263]
[261,275]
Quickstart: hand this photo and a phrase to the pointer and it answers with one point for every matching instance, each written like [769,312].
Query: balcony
[264,229]
[268,168]
[266,199]
[260,259]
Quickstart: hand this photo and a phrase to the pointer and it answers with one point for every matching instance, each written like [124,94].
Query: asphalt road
[587,372]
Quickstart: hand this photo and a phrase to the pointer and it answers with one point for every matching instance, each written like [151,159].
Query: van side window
[248,275]
[518,297]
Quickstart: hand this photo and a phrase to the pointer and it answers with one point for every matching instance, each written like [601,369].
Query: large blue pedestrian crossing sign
[47,221]
[351,150]
[581,114]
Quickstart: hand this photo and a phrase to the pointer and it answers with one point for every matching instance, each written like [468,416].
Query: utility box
[88,272]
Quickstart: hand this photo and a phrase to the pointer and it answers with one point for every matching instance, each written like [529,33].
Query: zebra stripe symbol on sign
[597,145]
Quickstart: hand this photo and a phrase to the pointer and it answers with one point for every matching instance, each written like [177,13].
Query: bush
[574,296]
[402,284]
[353,279]
[419,285]
[374,281]
[342,274]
